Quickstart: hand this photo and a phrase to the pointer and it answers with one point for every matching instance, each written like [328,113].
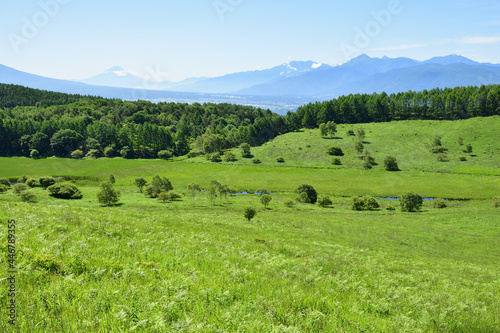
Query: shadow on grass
[333,138]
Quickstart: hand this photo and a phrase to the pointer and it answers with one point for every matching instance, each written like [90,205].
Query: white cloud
[314,66]
[480,40]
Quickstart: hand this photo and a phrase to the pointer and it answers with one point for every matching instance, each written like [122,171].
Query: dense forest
[40,123]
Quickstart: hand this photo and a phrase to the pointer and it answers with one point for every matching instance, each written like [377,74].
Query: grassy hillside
[409,141]
[148,266]
[144,265]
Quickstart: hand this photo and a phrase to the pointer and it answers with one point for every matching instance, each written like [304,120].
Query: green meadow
[148,266]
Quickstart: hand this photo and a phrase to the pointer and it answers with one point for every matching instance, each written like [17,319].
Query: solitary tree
[213,191]
[312,195]
[331,128]
[360,133]
[391,164]
[411,202]
[108,195]
[359,147]
[249,213]
[245,150]
[323,130]
[112,179]
[140,183]
[468,148]
[265,200]
[193,187]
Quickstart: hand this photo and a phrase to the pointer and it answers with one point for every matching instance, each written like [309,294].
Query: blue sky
[172,40]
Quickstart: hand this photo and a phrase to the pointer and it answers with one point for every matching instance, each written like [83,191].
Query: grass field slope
[198,265]
[410,142]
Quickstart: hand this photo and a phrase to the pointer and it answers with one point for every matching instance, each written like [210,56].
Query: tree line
[436,104]
[133,129]
[39,123]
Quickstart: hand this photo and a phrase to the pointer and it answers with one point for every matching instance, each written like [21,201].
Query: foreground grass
[146,266]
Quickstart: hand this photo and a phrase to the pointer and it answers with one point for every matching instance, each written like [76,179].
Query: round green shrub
[411,202]
[65,191]
[33,182]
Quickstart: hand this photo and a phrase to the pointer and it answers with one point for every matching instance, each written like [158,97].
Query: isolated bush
[289,203]
[369,159]
[460,141]
[34,154]
[336,161]
[360,132]
[245,150]
[364,203]
[330,128]
[359,147]
[5,181]
[335,151]
[311,194]
[165,154]
[324,201]
[468,148]
[442,157]
[33,182]
[47,181]
[111,179]
[440,203]
[367,165]
[265,199]
[256,161]
[391,164]
[3,188]
[436,141]
[140,183]
[19,187]
[107,195]
[410,202]
[390,208]
[249,213]
[65,191]
[438,150]
[350,132]
[280,160]
[28,196]
[229,157]
[463,158]
[77,154]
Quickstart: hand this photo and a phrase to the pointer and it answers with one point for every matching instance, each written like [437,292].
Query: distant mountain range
[283,87]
